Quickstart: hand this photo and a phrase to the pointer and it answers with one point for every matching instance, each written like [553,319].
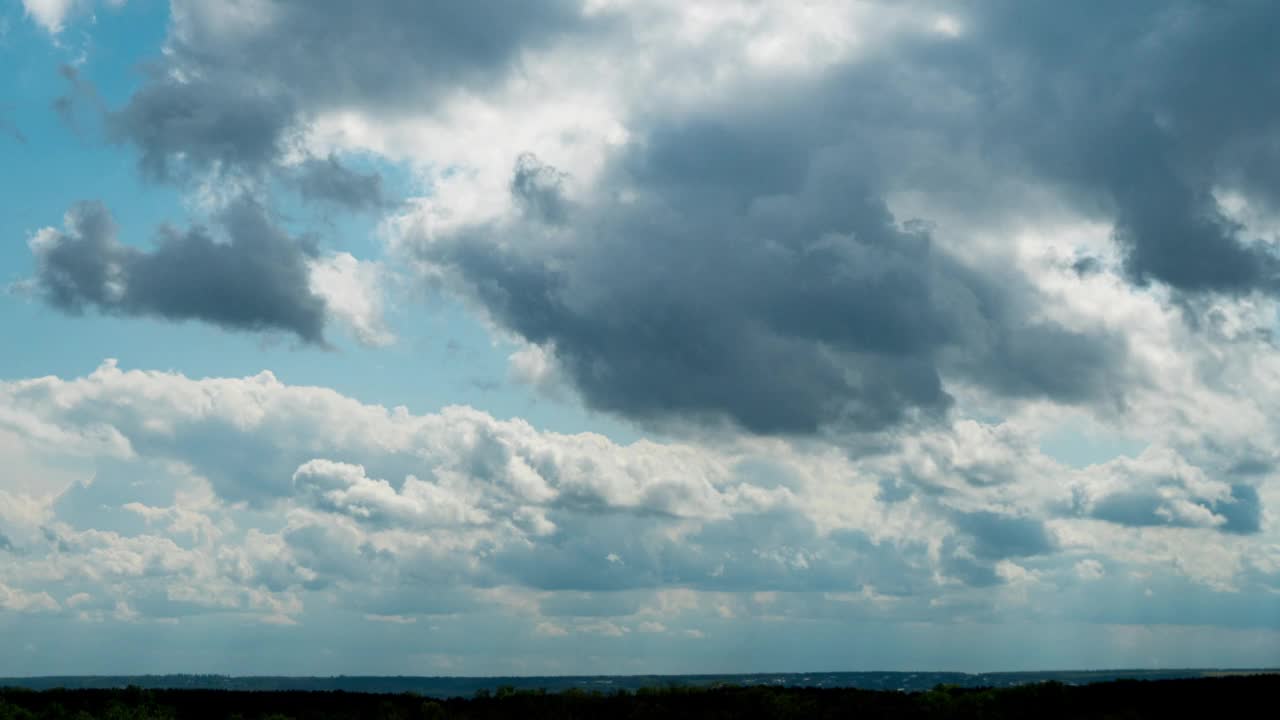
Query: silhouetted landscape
[444,687]
[1222,696]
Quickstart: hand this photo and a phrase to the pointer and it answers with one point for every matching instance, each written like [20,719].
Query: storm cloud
[257,279]
[1162,108]
[782,300]
[742,260]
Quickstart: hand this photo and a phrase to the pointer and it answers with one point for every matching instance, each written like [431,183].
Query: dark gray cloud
[1239,514]
[963,566]
[538,189]
[652,349]
[329,180]
[1242,512]
[216,122]
[239,132]
[1140,111]
[257,280]
[984,538]
[1131,508]
[997,535]
[1087,265]
[249,85]
[780,295]
[385,53]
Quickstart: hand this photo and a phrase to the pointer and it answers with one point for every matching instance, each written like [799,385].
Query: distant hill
[444,687]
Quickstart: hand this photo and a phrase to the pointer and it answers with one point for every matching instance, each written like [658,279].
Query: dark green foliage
[1208,697]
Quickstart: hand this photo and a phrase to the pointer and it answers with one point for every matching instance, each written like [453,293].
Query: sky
[638,336]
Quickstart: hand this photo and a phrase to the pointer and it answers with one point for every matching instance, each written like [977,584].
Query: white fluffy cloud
[52,15]
[353,294]
[49,13]
[286,504]
[24,602]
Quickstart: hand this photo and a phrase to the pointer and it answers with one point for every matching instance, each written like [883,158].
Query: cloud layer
[287,504]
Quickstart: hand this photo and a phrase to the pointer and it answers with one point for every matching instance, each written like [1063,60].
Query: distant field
[1227,696]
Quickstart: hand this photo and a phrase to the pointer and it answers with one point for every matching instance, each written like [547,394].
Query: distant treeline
[1220,697]
[467,686]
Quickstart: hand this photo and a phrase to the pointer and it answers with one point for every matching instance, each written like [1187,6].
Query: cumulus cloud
[1160,488]
[465,451]
[257,279]
[344,488]
[552,511]
[285,504]
[353,294]
[786,301]
[24,602]
[1002,536]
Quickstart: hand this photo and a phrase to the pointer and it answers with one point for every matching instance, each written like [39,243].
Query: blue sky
[636,336]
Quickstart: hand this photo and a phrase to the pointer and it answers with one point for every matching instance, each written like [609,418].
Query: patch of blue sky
[443,356]
[1075,443]
[1079,446]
